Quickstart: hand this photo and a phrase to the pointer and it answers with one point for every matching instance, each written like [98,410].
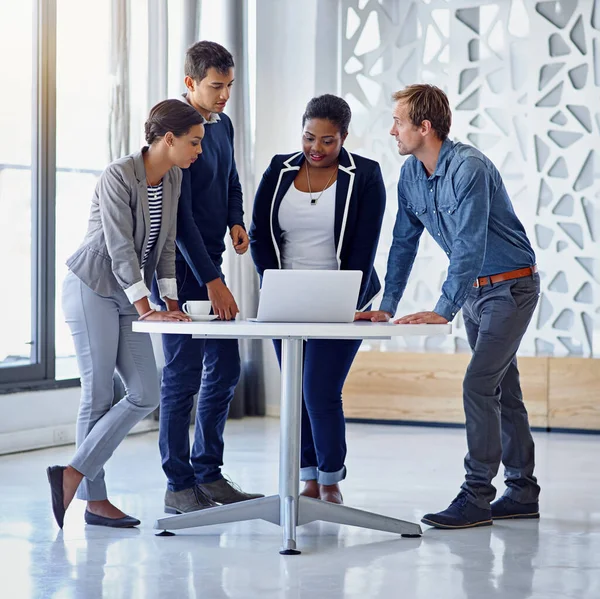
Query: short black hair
[206,55]
[330,107]
[171,115]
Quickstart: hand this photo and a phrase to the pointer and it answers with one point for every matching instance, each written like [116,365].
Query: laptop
[308,296]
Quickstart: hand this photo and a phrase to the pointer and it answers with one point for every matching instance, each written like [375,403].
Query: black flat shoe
[125,522]
[55,478]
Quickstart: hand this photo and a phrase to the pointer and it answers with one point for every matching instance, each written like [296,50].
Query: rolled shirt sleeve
[137,291]
[167,288]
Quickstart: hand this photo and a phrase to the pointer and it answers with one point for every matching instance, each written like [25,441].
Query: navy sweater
[210,202]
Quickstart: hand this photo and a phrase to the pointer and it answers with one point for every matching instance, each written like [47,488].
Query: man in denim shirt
[456,193]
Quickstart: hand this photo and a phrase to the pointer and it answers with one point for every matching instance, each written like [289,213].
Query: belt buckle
[476,283]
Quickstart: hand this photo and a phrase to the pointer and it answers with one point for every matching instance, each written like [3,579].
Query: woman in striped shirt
[130,238]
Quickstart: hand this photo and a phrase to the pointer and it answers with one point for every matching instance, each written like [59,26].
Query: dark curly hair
[330,107]
[171,115]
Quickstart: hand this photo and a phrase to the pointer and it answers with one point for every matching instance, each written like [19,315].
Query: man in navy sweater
[210,202]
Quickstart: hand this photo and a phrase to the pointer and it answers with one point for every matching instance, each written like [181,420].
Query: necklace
[148,184]
[313,201]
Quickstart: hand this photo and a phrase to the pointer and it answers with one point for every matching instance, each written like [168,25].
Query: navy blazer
[359,207]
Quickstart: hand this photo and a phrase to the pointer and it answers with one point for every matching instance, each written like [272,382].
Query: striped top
[155,193]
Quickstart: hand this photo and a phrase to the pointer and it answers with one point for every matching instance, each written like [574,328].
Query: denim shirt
[465,207]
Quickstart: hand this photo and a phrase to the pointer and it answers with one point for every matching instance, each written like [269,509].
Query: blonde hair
[427,103]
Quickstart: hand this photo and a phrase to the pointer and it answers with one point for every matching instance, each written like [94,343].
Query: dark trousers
[496,318]
[211,368]
[323,441]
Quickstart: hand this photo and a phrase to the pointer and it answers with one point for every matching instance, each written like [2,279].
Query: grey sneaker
[226,491]
[188,500]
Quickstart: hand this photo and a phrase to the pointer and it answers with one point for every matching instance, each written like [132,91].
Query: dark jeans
[496,318]
[211,366]
[323,442]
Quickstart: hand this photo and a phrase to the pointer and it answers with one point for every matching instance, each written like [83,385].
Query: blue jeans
[323,441]
[211,368]
[496,318]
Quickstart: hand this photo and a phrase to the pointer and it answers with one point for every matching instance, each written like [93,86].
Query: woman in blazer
[130,237]
[321,208]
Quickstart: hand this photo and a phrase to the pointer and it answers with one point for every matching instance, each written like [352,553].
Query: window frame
[41,371]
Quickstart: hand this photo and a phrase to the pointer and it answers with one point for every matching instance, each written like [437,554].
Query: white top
[155,198]
[235,329]
[308,230]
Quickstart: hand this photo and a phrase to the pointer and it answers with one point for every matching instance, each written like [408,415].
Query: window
[63,61]
[18,300]
[83,89]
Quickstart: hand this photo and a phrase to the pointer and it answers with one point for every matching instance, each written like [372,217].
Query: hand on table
[422,318]
[373,316]
[169,316]
[222,300]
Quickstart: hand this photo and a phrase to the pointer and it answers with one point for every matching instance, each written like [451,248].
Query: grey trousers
[496,318]
[104,341]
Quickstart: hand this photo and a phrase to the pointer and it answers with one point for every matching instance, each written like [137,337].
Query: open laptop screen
[309,295]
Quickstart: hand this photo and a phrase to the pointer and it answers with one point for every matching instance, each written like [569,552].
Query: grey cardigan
[110,256]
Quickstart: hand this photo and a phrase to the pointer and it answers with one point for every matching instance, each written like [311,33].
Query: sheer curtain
[119,115]
[158,51]
[227,22]
[249,399]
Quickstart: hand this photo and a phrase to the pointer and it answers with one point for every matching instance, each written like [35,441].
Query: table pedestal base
[288,509]
[273,508]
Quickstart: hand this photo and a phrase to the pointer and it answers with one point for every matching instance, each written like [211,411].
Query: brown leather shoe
[331,493]
[311,489]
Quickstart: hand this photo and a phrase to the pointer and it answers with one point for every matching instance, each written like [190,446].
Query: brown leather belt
[506,276]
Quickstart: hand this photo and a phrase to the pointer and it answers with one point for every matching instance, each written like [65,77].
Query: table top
[299,330]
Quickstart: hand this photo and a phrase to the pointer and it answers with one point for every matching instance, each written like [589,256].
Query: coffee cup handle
[185,309]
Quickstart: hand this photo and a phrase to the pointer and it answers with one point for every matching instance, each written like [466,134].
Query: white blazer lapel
[348,169]
[278,196]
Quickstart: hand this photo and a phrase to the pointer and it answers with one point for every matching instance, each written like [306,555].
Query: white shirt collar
[214,117]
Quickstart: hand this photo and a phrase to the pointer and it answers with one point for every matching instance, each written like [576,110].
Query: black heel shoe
[55,478]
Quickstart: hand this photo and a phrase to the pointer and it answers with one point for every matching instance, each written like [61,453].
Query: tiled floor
[398,471]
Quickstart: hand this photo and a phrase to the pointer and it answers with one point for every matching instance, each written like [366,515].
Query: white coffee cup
[197,307]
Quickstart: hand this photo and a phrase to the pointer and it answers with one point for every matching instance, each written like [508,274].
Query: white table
[287,509]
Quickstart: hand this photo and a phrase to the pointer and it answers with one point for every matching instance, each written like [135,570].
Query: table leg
[310,510]
[289,452]
[287,509]
[263,508]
